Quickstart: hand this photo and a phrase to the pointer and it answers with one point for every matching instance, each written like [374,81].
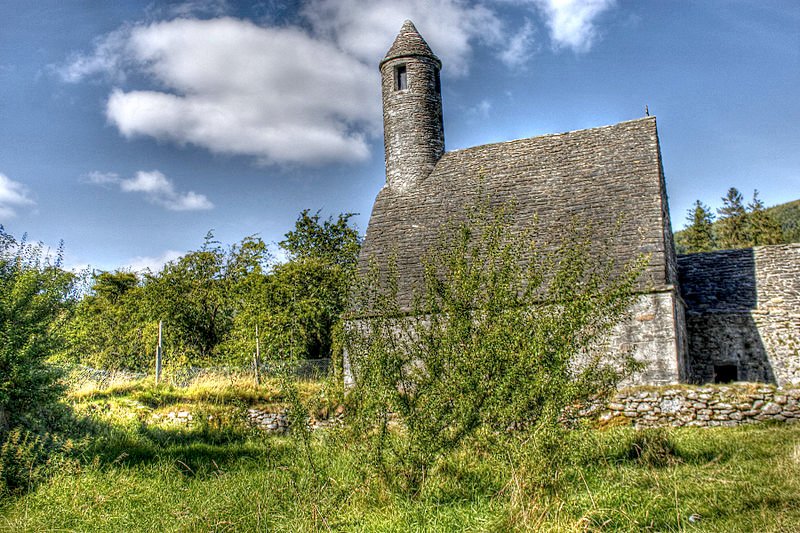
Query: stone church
[722,316]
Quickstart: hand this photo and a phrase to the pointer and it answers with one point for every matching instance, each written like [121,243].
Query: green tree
[297,305]
[199,295]
[335,242]
[733,225]
[502,334]
[762,227]
[111,327]
[698,236]
[35,294]
[111,286]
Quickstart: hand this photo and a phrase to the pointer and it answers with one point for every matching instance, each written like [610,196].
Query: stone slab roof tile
[409,43]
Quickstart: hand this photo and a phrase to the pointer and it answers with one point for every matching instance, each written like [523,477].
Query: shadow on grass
[197,449]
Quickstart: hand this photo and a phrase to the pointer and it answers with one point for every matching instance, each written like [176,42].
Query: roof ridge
[556,134]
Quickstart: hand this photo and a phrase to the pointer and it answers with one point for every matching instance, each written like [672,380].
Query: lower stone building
[743,314]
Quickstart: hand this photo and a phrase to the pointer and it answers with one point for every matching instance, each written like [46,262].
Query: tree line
[211,299]
[738,225]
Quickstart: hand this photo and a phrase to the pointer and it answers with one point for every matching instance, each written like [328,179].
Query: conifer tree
[762,228]
[698,236]
[732,226]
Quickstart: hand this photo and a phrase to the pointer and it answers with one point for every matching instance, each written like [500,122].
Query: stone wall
[278,422]
[704,406]
[608,179]
[720,405]
[653,330]
[743,314]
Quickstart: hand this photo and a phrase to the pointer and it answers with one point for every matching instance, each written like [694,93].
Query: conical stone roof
[409,43]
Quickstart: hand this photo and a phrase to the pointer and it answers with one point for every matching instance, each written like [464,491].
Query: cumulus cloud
[285,95]
[13,195]
[233,87]
[153,264]
[364,29]
[302,94]
[572,22]
[155,186]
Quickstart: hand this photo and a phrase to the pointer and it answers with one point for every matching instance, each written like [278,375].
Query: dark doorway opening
[726,373]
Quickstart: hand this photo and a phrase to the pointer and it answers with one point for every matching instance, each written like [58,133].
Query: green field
[135,471]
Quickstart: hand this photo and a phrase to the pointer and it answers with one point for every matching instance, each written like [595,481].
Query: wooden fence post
[158,354]
[257,360]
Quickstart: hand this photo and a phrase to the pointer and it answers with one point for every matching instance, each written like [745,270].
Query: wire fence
[81,375]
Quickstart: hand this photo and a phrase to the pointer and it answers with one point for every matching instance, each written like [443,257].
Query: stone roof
[604,176]
[409,43]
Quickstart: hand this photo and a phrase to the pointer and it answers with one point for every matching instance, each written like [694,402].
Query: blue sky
[130,129]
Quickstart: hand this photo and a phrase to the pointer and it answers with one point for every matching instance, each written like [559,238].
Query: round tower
[413,133]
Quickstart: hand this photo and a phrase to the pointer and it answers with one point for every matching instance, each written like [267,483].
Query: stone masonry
[609,179]
[704,406]
[724,316]
[413,132]
[743,314]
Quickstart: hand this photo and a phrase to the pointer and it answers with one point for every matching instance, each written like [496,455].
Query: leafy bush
[503,334]
[213,300]
[35,295]
[27,457]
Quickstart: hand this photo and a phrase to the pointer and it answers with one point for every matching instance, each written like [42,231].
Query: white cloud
[153,264]
[192,8]
[108,59]
[283,95]
[572,22]
[292,95]
[482,110]
[365,28]
[156,187]
[233,87]
[101,178]
[13,195]
[519,47]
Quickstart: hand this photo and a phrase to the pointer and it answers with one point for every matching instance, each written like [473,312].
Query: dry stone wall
[720,405]
[278,422]
[677,406]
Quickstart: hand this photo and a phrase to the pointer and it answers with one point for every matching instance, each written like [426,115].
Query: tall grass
[135,473]
[221,389]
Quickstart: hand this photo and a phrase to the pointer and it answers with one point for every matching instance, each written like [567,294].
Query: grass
[137,473]
[216,389]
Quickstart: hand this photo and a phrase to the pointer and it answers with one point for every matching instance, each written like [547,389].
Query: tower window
[400,78]
[437,81]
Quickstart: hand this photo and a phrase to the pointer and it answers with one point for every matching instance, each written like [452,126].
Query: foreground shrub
[503,334]
[34,296]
